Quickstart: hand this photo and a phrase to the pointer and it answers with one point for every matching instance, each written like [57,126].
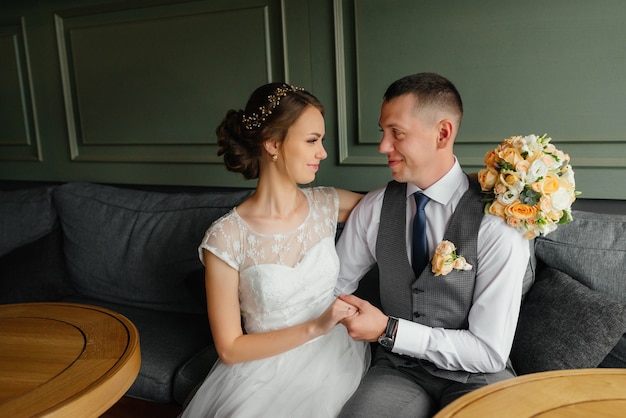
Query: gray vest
[442,301]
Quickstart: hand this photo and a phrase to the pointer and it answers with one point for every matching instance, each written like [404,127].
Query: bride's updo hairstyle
[270,112]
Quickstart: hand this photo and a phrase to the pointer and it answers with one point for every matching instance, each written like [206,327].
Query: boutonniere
[446,259]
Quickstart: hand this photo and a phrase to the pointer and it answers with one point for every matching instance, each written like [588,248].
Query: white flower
[508,197]
[561,199]
[538,169]
[569,176]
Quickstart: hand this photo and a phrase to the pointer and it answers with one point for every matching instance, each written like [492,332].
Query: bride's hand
[335,313]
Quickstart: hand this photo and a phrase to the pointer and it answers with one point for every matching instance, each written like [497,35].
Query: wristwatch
[388,339]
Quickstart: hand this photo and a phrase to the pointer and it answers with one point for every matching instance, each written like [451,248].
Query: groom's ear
[446,132]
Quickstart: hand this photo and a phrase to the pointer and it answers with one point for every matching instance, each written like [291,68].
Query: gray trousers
[390,391]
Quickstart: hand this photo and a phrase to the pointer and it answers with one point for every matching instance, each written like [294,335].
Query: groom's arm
[356,246]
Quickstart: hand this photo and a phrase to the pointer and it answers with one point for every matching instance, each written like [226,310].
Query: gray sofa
[135,251]
[132,251]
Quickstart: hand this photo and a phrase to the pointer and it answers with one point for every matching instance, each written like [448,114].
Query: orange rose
[511,156]
[520,211]
[487,178]
[491,158]
[510,178]
[496,208]
[440,266]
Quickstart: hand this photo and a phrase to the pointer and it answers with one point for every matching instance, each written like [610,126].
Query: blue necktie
[420,245]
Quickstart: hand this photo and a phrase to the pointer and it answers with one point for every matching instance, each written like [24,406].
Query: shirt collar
[443,190]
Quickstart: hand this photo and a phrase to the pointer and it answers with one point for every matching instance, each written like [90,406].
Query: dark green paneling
[18,139]
[131,90]
[151,84]
[521,67]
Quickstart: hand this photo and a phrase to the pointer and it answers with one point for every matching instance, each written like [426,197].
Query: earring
[274,157]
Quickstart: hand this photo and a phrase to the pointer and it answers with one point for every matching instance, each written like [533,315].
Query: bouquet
[530,184]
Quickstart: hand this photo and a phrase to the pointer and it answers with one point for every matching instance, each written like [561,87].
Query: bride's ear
[271,146]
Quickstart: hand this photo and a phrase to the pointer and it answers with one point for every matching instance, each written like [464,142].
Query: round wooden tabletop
[559,393]
[64,359]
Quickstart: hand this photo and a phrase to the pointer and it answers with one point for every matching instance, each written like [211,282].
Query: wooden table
[64,360]
[560,393]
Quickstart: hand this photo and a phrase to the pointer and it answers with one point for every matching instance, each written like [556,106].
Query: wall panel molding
[19,137]
[151,84]
[565,84]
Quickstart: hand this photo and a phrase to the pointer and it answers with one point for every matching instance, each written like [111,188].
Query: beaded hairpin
[256,119]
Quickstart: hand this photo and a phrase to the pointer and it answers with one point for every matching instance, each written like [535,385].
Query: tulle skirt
[313,380]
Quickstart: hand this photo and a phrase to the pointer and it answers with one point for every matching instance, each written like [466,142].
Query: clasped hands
[364,321]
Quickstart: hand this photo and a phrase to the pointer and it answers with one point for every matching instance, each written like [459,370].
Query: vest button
[416,290]
[416,315]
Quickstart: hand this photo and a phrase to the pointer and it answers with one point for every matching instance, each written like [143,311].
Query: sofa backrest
[32,267]
[25,216]
[591,249]
[137,247]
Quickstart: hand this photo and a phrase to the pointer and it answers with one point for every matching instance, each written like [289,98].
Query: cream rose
[549,184]
[545,204]
[513,222]
[461,264]
[522,166]
[445,248]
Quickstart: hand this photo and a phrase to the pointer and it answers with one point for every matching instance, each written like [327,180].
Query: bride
[271,269]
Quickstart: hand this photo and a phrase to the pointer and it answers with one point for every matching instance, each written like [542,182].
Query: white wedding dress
[284,280]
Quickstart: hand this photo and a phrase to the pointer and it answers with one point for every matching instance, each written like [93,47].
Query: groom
[439,336]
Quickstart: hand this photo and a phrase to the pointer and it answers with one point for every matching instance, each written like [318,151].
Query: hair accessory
[256,119]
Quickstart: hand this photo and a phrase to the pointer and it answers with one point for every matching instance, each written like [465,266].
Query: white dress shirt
[503,256]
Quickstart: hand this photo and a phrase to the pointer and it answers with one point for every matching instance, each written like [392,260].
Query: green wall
[130,91]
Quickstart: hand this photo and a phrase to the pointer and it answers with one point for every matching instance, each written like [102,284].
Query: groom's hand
[368,324]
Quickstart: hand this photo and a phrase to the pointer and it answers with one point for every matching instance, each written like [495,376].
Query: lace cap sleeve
[326,206]
[224,241]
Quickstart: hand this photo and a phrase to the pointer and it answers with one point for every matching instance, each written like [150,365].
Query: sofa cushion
[134,247]
[25,216]
[617,357]
[565,325]
[591,249]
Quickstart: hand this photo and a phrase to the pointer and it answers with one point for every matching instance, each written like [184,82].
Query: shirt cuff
[411,339]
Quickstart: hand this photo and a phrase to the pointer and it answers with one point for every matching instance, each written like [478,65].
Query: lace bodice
[284,279]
